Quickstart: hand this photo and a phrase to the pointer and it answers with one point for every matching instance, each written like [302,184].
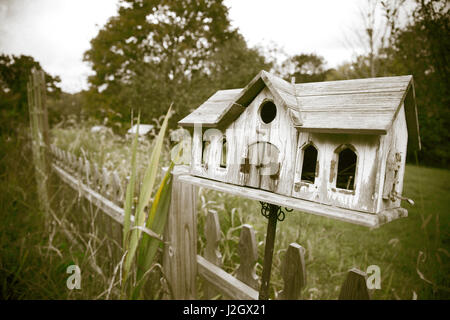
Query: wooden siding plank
[398,83]
[383,99]
[213,109]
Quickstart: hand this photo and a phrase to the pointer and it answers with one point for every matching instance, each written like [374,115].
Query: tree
[146,54]
[14,73]
[379,22]
[231,66]
[423,50]
[305,68]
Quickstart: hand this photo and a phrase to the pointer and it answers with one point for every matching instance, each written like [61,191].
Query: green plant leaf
[144,197]
[155,222]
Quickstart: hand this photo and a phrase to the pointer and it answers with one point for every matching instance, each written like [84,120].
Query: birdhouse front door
[261,167]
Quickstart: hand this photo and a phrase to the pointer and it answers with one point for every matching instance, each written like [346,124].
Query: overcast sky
[57,32]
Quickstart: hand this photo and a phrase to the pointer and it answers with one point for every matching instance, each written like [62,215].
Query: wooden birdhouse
[333,146]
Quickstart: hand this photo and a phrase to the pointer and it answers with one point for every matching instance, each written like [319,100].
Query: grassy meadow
[35,250]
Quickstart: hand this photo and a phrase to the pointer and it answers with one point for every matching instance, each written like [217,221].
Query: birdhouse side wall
[363,197]
[392,162]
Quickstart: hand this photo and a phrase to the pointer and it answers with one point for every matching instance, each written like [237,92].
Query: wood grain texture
[354,286]
[351,216]
[323,190]
[248,255]
[349,106]
[225,282]
[226,105]
[353,86]
[212,110]
[180,241]
[241,136]
[395,142]
[293,272]
[212,235]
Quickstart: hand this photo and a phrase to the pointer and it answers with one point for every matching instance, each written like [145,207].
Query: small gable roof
[365,106]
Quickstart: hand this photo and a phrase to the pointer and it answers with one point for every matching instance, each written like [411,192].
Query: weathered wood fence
[181,262]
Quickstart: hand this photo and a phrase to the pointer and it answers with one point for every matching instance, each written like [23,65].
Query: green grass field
[412,253]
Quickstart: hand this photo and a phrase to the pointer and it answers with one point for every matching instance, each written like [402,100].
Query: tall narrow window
[223,157]
[205,152]
[309,164]
[346,169]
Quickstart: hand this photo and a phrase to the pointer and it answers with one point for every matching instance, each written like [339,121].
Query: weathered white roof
[367,106]
[143,129]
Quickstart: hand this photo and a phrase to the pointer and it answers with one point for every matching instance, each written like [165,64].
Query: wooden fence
[181,262]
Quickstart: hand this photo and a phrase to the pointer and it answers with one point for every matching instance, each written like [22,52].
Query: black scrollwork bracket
[267,207]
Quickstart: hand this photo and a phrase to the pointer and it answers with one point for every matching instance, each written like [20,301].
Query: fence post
[180,241]
[354,286]
[36,90]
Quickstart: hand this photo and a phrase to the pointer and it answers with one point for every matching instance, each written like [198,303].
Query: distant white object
[144,129]
[95,129]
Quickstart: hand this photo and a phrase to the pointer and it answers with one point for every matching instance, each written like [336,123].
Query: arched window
[346,169]
[223,157]
[309,167]
[205,152]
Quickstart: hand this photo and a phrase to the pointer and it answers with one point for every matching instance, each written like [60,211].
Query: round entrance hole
[268,112]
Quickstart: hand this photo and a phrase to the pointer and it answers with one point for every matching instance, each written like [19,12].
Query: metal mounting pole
[273,213]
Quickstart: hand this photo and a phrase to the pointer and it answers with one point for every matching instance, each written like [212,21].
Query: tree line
[155,52]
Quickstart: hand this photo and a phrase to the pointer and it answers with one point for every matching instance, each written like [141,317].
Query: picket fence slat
[248,254]
[212,253]
[355,286]
[293,272]
[110,208]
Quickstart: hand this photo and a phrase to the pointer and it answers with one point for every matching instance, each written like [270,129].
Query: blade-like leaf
[148,245]
[146,191]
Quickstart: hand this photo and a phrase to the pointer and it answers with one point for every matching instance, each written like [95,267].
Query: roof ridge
[356,79]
